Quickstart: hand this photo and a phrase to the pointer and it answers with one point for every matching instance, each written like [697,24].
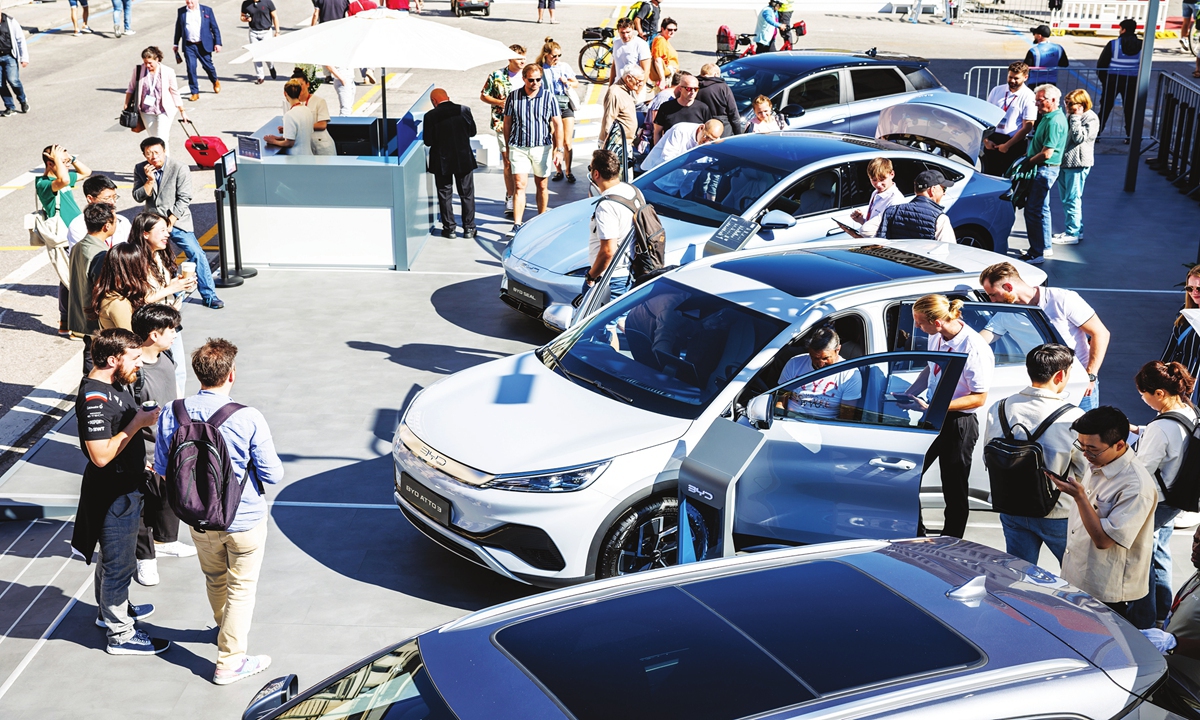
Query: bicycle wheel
[595,61]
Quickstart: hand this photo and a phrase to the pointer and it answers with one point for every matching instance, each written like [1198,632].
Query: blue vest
[1122,64]
[1045,55]
[913,220]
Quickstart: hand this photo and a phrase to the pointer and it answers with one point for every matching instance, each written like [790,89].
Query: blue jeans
[193,53]
[1023,536]
[10,77]
[1070,191]
[618,286]
[1037,209]
[122,8]
[186,241]
[114,569]
[1090,402]
[1157,603]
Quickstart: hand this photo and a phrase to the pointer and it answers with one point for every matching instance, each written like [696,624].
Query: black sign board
[249,147]
[732,235]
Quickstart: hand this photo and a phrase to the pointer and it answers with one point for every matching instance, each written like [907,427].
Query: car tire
[974,236]
[645,537]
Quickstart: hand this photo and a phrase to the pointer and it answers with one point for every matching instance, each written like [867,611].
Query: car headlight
[560,481]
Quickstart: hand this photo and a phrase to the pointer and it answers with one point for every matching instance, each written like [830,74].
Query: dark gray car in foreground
[924,628]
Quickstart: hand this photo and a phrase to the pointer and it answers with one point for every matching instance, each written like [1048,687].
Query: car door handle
[840,120]
[892,464]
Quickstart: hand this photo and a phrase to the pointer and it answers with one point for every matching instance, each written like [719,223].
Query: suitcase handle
[194,132]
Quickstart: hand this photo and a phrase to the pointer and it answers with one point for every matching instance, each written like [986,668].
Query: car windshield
[706,186]
[748,82]
[394,685]
[666,348]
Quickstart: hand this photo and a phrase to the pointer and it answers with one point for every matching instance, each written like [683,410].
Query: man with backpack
[1040,416]
[231,551]
[611,222]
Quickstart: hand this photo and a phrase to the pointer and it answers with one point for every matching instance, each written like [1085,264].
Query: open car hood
[950,124]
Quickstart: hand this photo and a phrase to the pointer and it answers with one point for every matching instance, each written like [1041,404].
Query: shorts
[543,4]
[524,160]
[1189,10]
[503,141]
[566,112]
[78,2]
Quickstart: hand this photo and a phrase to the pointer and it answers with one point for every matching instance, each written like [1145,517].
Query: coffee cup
[188,269]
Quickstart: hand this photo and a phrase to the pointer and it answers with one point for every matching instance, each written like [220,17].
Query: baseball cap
[1043,30]
[929,178]
[1129,25]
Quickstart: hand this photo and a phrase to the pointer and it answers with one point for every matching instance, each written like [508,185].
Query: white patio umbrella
[382,39]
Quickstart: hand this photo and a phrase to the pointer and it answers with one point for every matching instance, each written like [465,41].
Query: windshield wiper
[572,376]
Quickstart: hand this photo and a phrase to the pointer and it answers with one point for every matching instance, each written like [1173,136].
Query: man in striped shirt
[532,126]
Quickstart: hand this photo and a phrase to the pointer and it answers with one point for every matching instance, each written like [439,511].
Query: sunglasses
[670,29]
[537,79]
[685,88]
[1192,288]
[556,55]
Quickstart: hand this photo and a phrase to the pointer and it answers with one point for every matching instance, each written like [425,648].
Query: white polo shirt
[612,220]
[628,54]
[976,375]
[77,231]
[1067,312]
[880,201]
[1018,107]
[820,398]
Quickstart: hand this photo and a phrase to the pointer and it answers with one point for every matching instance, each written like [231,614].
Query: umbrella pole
[383,79]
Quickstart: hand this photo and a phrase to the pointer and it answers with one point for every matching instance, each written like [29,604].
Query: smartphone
[901,397]
[1055,476]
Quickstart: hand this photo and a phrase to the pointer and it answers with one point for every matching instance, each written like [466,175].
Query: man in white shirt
[1007,144]
[98,189]
[611,223]
[830,397]
[628,51]
[886,194]
[681,138]
[297,122]
[1070,314]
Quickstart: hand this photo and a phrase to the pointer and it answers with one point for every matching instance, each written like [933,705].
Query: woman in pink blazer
[157,97]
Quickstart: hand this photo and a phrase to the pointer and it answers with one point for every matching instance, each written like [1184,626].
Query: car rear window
[734,646]
[922,79]
[876,82]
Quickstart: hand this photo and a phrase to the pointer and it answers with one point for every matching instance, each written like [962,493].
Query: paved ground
[332,357]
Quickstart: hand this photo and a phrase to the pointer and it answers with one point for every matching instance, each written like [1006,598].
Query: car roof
[802,61]
[791,150]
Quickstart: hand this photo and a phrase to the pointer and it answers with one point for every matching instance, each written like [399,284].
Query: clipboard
[852,232]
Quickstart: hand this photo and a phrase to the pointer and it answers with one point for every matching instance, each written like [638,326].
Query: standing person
[75,20]
[682,108]
[298,122]
[1110,529]
[1045,153]
[14,54]
[941,319]
[495,92]
[885,194]
[165,186]
[55,191]
[120,287]
[534,132]
[544,5]
[1189,20]
[645,19]
[264,23]
[714,93]
[620,105]
[327,10]
[1179,639]
[1049,370]
[167,285]
[765,118]
[785,20]
[560,80]
[1083,126]
[767,27]
[158,533]
[343,85]
[923,217]
[664,61]
[681,138]
[322,142]
[1071,315]
[611,222]
[1044,57]
[122,17]
[1003,147]
[1117,69]
[98,188]
[86,259]
[449,128]
[1184,344]
[110,497]
[629,51]
[196,27]
[1160,447]
[230,559]
[154,90]
[354,8]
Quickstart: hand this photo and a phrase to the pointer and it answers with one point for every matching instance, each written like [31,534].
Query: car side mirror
[558,316]
[777,220]
[758,411]
[273,695]
[791,112]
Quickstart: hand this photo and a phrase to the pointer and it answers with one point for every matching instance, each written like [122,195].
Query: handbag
[50,232]
[130,117]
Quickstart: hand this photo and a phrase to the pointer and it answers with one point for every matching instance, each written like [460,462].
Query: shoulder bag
[130,117]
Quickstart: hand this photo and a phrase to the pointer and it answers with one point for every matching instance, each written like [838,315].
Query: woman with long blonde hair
[560,80]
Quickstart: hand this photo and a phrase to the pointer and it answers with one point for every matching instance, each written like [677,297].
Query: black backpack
[201,487]
[1019,487]
[649,237]
[1184,492]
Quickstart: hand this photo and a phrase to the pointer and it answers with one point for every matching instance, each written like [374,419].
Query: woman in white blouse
[1161,443]
[157,97]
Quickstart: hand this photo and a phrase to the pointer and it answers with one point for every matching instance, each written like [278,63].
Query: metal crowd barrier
[1100,17]
[1175,126]
[982,78]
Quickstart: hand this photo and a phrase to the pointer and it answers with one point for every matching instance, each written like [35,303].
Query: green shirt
[1051,132]
[66,197]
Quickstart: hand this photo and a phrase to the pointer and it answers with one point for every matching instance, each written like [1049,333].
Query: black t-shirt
[102,411]
[6,40]
[260,13]
[156,381]
[671,113]
[648,13]
[331,9]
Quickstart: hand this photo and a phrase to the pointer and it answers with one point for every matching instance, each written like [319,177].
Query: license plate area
[424,499]
[526,294]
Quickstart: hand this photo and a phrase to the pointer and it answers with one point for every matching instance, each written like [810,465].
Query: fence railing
[982,78]
[1099,16]
[1176,125]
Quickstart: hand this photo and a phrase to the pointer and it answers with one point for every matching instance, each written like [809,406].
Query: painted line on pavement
[33,651]
[30,267]
[393,80]
[17,183]
[54,394]
[25,569]
[74,499]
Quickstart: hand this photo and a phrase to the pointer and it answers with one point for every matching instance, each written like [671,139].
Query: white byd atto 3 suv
[560,465]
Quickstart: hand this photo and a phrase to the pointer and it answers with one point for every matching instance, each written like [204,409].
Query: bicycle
[727,50]
[595,59]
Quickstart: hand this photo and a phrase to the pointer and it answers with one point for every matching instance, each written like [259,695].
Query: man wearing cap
[1015,98]
[1117,69]
[1044,57]
[923,217]
[1045,153]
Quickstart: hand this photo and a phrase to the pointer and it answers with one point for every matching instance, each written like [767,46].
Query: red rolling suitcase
[206,150]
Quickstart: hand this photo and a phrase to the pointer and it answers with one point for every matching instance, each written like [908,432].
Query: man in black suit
[448,130]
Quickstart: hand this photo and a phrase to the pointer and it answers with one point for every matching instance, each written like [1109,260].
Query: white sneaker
[174,549]
[1064,239]
[130,32]
[147,572]
[1185,520]
[250,665]
[1049,252]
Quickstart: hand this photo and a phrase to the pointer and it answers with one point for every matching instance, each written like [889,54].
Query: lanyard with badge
[1184,594]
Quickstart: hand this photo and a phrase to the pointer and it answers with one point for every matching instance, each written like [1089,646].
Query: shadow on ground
[475,305]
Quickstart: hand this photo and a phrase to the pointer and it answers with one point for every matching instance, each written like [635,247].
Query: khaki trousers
[231,563]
